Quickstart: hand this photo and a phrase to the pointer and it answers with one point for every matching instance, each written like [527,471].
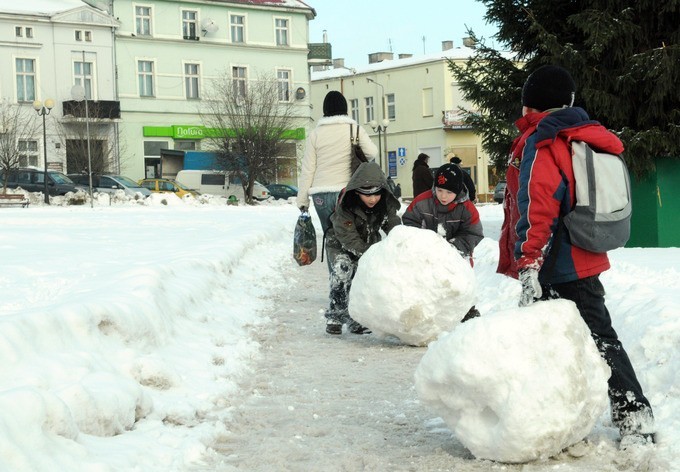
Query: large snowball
[518,385]
[413,285]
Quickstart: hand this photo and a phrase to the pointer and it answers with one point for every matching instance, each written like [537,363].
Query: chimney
[468,42]
[405,56]
[379,57]
[339,63]
[446,45]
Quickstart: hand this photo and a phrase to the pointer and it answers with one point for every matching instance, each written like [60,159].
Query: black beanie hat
[548,87]
[449,177]
[334,104]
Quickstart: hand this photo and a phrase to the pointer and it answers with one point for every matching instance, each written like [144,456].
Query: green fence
[656,207]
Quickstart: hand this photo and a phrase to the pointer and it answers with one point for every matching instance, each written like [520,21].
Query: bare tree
[249,124]
[18,129]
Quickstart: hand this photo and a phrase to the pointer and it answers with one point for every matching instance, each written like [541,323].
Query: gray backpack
[600,221]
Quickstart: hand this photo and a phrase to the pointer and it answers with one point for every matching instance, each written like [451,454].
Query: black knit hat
[334,104]
[449,177]
[548,87]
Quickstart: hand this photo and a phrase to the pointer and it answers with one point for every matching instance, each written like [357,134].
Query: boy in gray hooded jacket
[364,207]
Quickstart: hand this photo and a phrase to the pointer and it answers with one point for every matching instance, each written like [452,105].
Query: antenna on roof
[423,44]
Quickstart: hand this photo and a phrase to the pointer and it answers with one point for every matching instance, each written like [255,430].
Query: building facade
[44,52]
[409,105]
[168,54]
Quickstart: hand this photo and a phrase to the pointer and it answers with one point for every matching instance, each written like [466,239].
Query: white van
[217,183]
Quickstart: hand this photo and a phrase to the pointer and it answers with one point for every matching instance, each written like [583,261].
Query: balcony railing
[320,53]
[97,109]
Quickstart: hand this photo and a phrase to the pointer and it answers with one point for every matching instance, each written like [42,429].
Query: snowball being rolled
[413,285]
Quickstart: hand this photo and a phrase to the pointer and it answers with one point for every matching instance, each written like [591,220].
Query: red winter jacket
[540,188]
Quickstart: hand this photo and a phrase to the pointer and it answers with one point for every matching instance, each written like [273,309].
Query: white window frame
[151,74]
[19,31]
[284,77]
[29,31]
[187,22]
[390,101]
[140,31]
[369,109]
[33,74]
[242,27]
[282,33]
[82,79]
[354,108]
[192,80]
[31,156]
[88,35]
[240,82]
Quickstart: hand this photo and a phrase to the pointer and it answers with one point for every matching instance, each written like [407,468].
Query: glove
[303,209]
[531,287]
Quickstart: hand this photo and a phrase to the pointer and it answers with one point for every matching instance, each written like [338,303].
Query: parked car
[282,191]
[167,186]
[33,180]
[499,192]
[110,184]
[217,183]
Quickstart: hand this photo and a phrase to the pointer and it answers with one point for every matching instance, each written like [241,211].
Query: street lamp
[382,126]
[43,110]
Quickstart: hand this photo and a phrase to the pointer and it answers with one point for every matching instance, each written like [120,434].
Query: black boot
[472,313]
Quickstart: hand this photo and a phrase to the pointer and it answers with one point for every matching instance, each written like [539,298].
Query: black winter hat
[449,177]
[334,104]
[548,87]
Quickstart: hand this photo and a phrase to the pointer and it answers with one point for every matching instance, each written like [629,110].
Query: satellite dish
[209,26]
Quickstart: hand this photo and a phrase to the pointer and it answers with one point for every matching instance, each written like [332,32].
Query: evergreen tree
[623,54]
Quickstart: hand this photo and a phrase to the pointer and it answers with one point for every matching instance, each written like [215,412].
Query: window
[391,107]
[369,109]
[281,26]
[153,148]
[143,20]
[283,77]
[191,76]
[25,69]
[427,102]
[238,28]
[83,35]
[19,31]
[145,74]
[238,75]
[354,107]
[190,24]
[28,153]
[82,75]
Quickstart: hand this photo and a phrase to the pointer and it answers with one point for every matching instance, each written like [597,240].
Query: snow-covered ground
[178,336]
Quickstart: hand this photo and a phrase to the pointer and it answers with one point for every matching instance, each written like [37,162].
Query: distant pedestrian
[467,179]
[326,162]
[421,175]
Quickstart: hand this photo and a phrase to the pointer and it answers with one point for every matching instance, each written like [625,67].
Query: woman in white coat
[326,163]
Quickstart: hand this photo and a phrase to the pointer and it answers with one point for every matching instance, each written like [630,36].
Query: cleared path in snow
[348,403]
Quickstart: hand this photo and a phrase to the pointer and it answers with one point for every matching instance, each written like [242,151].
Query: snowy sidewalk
[348,403]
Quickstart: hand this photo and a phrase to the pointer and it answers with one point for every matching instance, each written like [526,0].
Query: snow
[419,308]
[141,335]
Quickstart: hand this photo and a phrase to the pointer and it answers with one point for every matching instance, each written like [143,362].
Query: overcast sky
[356,28]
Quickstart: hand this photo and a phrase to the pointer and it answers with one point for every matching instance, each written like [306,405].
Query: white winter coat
[326,163]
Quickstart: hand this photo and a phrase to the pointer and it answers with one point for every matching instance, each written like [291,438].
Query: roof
[43,7]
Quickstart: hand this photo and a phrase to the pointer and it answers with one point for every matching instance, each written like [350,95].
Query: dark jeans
[343,268]
[631,411]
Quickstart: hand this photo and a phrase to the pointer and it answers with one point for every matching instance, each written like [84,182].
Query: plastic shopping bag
[304,240]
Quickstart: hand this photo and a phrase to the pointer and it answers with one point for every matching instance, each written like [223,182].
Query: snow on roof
[44,7]
[455,53]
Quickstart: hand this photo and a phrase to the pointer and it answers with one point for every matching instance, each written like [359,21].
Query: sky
[127,330]
[357,28]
